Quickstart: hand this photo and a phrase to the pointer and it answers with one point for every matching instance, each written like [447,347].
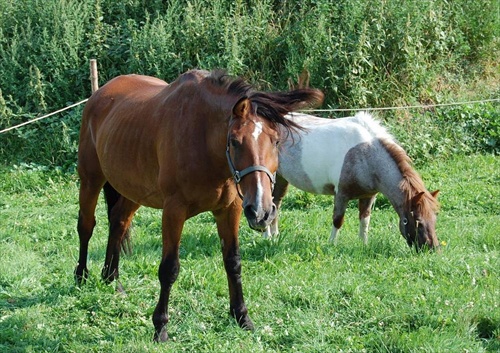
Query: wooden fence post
[93,75]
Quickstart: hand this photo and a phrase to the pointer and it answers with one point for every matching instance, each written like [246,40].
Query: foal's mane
[272,106]
[412,183]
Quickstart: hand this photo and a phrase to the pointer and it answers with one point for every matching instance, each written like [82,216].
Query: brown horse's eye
[235,143]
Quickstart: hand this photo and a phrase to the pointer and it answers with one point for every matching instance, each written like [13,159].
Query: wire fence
[425,106]
[43,117]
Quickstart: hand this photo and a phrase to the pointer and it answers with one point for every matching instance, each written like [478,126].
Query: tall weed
[361,53]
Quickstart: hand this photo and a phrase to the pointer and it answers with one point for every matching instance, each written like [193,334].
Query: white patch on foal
[258,130]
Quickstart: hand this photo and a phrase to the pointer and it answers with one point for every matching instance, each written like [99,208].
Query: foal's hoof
[119,288]
[161,336]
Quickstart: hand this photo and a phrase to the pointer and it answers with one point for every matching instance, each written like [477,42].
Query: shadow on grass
[14,336]
[23,325]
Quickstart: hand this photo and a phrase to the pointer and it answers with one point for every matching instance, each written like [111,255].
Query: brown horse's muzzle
[258,217]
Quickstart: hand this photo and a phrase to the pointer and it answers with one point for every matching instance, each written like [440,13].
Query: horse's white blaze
[259,197]
[257,131]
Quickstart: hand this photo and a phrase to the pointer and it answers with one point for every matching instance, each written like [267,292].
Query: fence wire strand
[425,106]
[44,116]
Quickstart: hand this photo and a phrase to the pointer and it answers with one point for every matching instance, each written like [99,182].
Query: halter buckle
[237,176]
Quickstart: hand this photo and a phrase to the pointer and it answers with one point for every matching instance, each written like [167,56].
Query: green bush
[361,53]
[463,129]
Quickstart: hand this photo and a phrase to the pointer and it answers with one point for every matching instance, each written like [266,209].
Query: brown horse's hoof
[81,276]
[246,324]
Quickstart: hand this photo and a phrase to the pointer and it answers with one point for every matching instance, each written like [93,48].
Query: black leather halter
[238,175]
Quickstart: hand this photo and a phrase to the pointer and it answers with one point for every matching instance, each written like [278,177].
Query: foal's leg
[172,224]
[227,226]
[340,205]
[280,189]
[120,214]
[365,209]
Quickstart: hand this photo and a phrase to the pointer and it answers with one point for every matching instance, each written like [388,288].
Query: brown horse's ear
[435,194]
[417,198]
[242,108]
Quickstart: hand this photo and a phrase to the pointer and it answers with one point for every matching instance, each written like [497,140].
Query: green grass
[303,294]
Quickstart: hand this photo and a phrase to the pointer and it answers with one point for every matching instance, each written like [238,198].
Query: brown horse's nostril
[250,211]
[256,215]
[272,214]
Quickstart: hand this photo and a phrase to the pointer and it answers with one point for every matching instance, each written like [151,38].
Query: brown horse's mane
[412,183]
[272,106]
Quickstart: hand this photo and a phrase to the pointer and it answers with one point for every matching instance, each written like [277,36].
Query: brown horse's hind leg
[227,226]
[365,209]
[120,214]
[91,183]
[279,192]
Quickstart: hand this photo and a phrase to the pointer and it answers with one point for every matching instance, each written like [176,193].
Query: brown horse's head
[418,224]
[254,134]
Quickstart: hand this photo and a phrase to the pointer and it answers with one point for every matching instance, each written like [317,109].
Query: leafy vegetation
[361,53]
[444,132]
[303,293]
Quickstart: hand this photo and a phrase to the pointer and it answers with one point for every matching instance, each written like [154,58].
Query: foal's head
[254,134]
[418,224]
[417,218]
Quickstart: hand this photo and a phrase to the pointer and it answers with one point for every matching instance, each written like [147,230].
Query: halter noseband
[238,175]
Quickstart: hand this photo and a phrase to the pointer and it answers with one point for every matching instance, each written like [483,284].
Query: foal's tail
[373,125]
[112,196]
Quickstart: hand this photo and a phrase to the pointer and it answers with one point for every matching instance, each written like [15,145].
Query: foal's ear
[435,194]
[242,108]
[417,198]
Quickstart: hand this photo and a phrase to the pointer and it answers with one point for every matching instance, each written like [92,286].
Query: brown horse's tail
[112,196]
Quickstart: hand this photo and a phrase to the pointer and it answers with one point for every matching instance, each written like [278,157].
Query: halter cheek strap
[238,175]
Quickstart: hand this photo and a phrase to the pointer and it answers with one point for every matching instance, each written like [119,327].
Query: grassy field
[303,294]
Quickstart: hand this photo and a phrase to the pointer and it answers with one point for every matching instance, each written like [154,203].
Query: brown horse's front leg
[167,274]
[227,225]
[168,271]
[232,264]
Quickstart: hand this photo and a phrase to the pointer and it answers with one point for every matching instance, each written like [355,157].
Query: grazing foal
[355,158]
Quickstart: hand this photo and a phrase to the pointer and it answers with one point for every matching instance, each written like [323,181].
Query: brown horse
[182,148]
